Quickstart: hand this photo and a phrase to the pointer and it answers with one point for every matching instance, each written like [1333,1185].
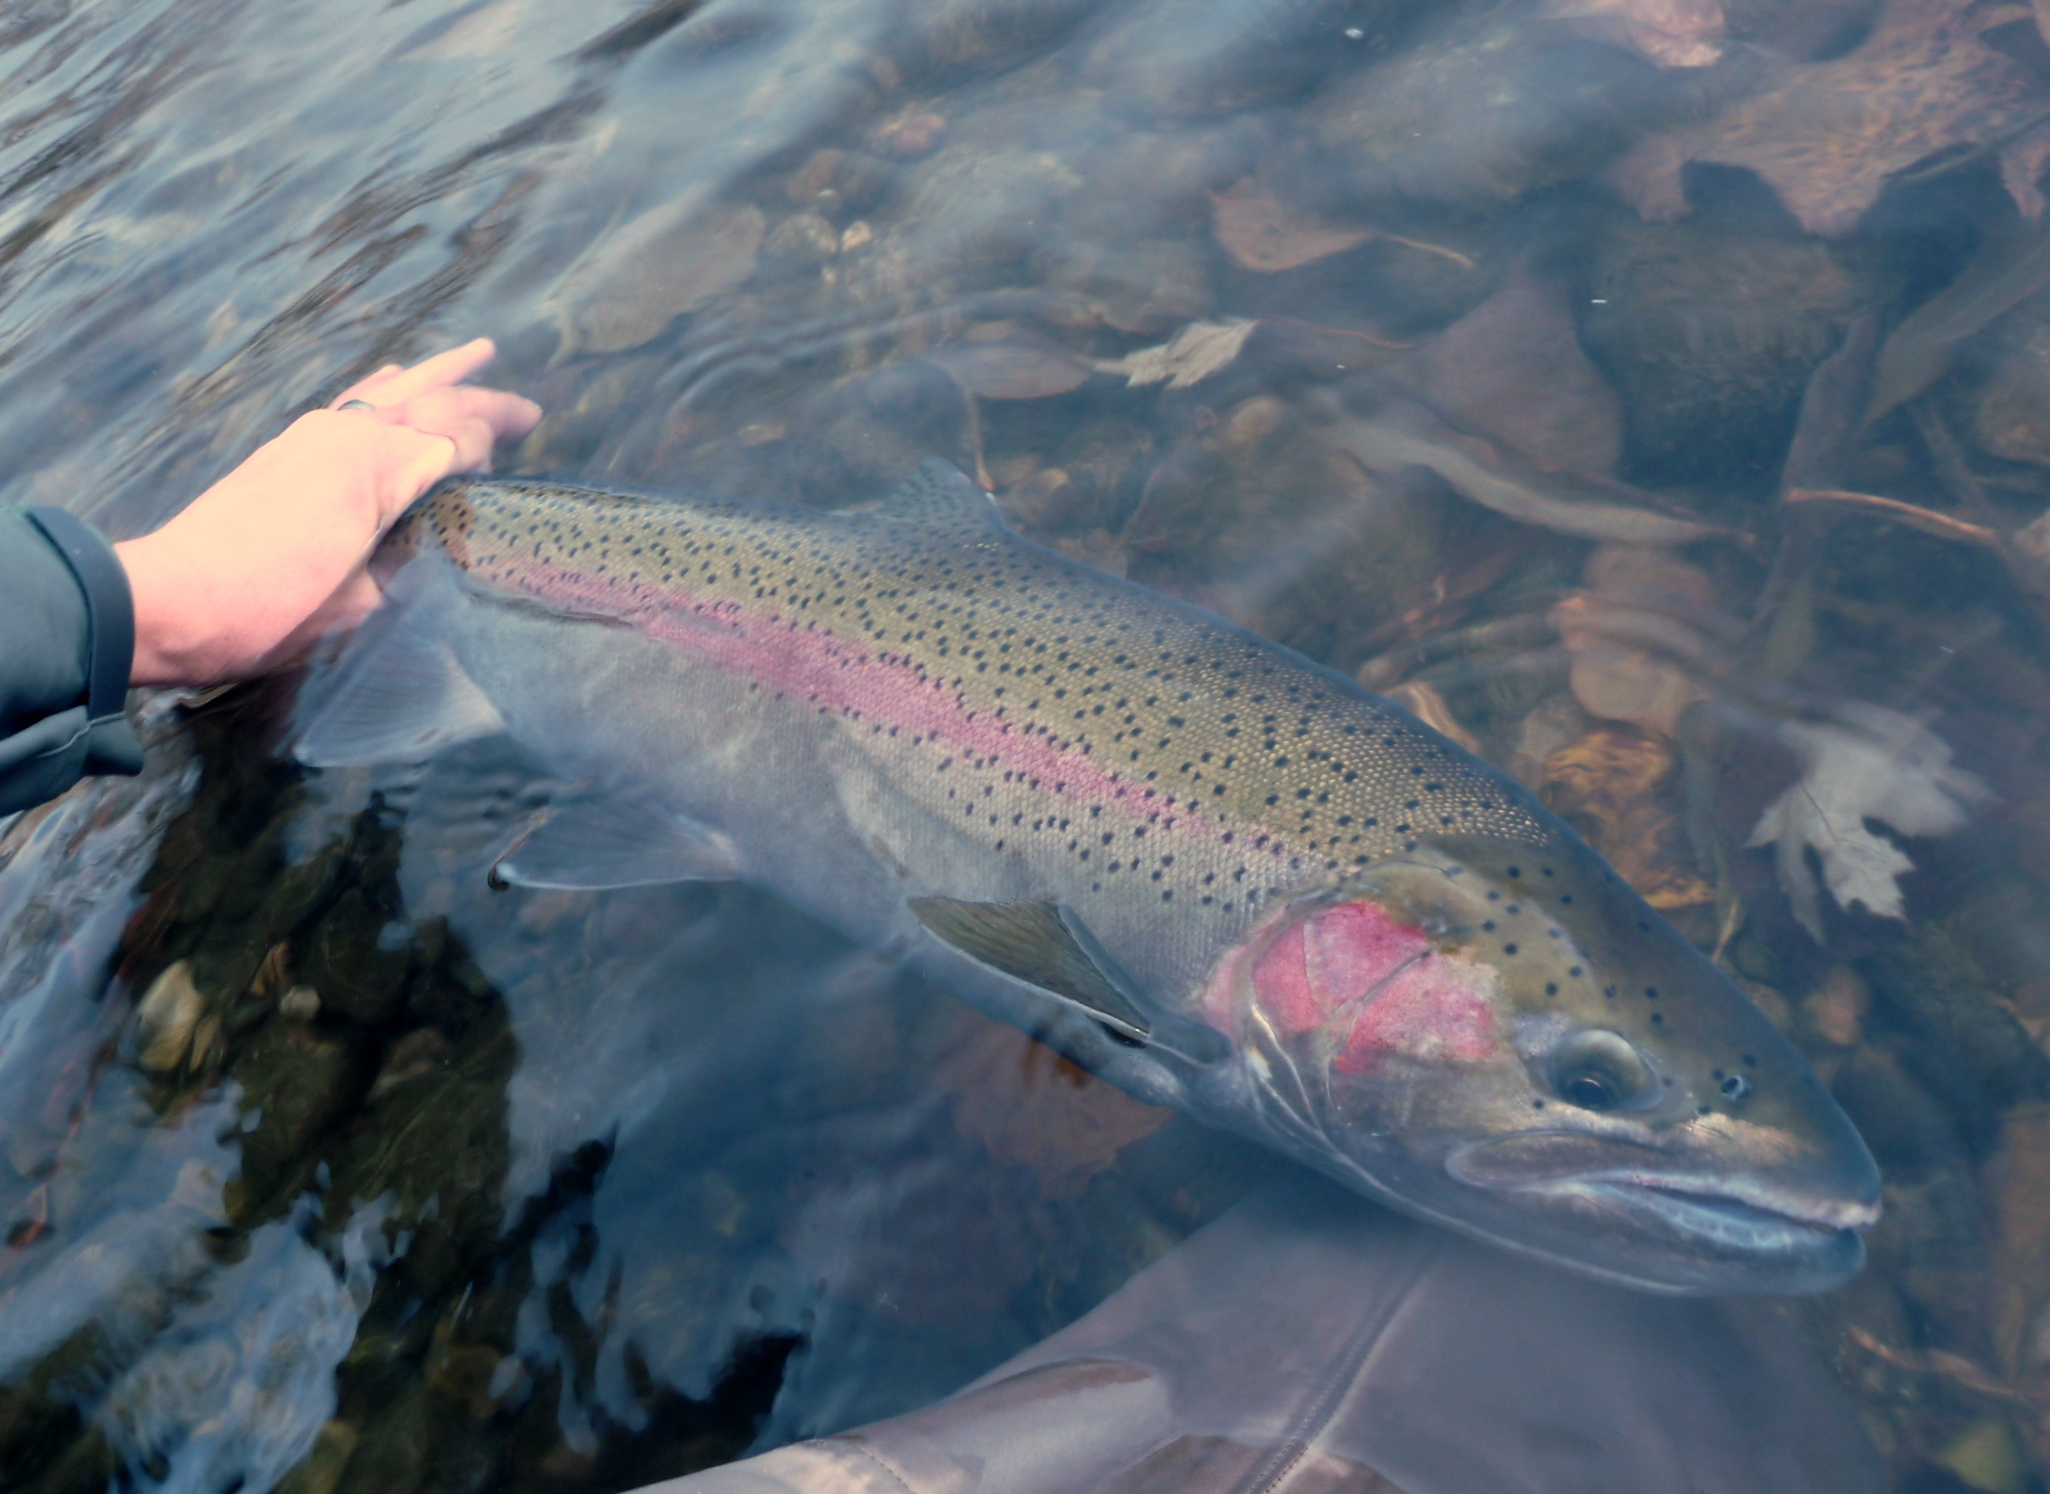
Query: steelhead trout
[1207,869]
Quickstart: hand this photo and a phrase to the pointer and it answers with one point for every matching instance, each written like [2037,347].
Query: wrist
[174,634]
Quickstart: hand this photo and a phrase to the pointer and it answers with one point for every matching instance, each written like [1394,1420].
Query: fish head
[1511,1042]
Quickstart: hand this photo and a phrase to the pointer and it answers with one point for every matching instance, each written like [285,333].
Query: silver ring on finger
[357,404]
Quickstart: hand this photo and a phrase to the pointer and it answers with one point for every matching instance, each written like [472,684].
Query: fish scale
[1205,868]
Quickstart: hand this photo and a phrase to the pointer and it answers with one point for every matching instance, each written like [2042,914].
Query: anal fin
[1045,945]
[617,842]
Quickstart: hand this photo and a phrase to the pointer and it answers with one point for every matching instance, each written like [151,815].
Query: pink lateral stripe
[811,662]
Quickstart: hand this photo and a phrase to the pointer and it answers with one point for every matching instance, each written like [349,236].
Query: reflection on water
[1651,396]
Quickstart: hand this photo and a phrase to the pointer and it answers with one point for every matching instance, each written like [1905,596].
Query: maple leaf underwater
[1874,764]
[1203,867]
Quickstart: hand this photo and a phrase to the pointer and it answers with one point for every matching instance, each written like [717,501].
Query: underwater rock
[358,969]
[1802,30]
[167,1015]
[802,236]
[1837,1008]
[300,1004]
[294,1081]
[1969,1045]
[2010,415]
[1201,58]
[1549,726]
[1710,337]
[974,204]
[237,1386]
[930,35]
[1263,521]
[1486,110]
[910,136]
[644,276]
[1144,286]
[996,362]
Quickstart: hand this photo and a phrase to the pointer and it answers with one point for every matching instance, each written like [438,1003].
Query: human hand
[274,554]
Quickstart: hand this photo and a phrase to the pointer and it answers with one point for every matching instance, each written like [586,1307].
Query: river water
[325,1167]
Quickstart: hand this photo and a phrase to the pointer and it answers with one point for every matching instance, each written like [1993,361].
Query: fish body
[1213,872]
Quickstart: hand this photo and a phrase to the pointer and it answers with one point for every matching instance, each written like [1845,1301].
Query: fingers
[438,372]
[461,421]
[392,384]
[474,419]
[364,388]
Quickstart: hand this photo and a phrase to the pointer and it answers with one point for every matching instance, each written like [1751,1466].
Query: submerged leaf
[1645,637]
[1033,1109]
[1261,232]
[1402,435]
[2003,275]
[1013,370]
[1189,357]
[1513,366]
[1829,135]
[1871,763]
[1615,785]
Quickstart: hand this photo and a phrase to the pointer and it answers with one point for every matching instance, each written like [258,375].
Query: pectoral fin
[402,699]
[617,842]
[1045,945]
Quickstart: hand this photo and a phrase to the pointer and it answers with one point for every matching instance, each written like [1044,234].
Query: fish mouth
[1812,1234]
[1720,1218]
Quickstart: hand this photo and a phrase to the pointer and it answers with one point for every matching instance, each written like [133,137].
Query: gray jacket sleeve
[67,642]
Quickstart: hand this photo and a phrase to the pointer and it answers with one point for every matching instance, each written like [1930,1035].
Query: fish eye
[1595,1069]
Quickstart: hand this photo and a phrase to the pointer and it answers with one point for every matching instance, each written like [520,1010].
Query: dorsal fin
[940,495]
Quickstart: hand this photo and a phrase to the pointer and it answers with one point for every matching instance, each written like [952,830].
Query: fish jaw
[1673,1216]
[1390,1036]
